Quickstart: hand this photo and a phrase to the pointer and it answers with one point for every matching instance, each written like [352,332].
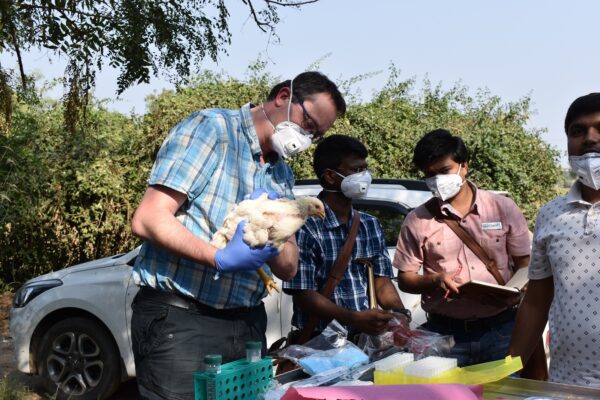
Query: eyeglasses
[309,124]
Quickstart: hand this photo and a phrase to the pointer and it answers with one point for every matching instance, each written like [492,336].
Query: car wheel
[79,360]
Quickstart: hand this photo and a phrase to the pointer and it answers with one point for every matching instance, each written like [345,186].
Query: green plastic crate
[238,380]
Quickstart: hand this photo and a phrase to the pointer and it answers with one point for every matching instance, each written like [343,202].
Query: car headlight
[30,291]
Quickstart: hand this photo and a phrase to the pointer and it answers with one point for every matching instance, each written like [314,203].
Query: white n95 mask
[587,168]
[289,139]
[356,185]
[445,186]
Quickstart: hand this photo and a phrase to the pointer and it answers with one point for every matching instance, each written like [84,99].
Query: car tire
[79,360]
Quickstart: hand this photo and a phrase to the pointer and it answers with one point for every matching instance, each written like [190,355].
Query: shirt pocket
[494,243]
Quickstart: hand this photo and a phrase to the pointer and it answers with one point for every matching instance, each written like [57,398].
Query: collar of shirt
[248,129]
[250,133]
[447,208]
[331,220]
[574,195]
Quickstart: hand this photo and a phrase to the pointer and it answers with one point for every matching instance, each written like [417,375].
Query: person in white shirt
[564,269]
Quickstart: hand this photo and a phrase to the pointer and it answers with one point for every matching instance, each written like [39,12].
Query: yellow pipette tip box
[472,375]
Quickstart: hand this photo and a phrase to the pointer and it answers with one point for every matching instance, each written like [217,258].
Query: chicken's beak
[321,214]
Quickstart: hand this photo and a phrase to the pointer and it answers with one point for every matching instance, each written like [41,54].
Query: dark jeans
[169,344]
[474,347]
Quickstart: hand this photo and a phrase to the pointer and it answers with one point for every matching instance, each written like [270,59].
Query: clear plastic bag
[329,350]
[382,346]
[399,337]
[378,347]
[422,343]
[333,336]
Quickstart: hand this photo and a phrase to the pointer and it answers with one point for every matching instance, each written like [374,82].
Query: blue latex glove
[271,195]
[238,256]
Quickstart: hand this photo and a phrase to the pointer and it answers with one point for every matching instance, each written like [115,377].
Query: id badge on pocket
[491,226]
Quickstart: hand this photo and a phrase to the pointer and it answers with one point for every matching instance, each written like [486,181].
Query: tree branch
[262,24]
[13,33]
[295,4]
[61,9]
[259,23]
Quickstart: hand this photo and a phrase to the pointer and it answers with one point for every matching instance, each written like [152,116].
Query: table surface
[505,389]
[515,388]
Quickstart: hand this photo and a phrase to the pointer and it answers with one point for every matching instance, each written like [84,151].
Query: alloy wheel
[74,363]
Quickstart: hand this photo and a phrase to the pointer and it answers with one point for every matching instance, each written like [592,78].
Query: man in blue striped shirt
[340,162]
[194,299]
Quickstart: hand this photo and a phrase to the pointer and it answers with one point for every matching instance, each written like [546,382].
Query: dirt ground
[6,359]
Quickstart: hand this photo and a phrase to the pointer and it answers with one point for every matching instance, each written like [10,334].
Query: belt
[181,301]
[473,325]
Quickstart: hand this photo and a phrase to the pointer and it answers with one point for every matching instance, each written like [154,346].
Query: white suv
[72,326]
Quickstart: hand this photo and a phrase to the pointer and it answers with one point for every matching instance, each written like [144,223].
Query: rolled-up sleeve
[518,242]
[539,264]
[409,250]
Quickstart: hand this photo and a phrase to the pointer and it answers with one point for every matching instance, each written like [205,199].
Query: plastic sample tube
[253,351]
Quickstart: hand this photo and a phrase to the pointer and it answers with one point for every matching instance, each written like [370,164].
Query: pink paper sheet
[388,392]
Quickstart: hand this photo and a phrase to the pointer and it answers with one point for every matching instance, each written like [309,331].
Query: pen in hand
[456,273]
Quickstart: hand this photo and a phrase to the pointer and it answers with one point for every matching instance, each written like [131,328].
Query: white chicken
[268,222]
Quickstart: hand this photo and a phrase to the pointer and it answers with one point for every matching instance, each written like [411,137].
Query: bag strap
[433,207]
[335,275]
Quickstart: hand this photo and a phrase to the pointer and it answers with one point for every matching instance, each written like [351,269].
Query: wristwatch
[404,311]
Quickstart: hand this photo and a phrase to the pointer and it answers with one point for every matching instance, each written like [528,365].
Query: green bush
[68,196]
[10,390]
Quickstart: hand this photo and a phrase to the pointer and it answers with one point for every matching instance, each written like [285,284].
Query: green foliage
[504,154]
[69,194]
[10,390]
[6,101]
[137,37]
[208,90]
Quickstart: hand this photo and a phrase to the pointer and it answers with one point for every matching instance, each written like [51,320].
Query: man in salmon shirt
[481,329]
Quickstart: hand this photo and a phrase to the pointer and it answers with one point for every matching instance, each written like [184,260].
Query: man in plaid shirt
[195,299]
[340,163]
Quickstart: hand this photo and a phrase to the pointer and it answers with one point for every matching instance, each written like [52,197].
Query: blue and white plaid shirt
[213,157]
[319,242]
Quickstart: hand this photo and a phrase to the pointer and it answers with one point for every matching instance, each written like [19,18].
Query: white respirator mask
[356,185]
[289,139]
[445,186]
[587,168]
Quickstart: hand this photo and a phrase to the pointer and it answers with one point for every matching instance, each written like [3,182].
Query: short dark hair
[438,144]
[588,104]
[333,150]
[310,83]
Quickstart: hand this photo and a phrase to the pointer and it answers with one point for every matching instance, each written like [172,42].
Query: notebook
[475,288]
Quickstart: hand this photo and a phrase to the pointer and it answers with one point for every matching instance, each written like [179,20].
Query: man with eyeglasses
[194,299]
[340,162]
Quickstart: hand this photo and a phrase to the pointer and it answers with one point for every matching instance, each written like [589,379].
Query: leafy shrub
[10,390]
[68,195]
